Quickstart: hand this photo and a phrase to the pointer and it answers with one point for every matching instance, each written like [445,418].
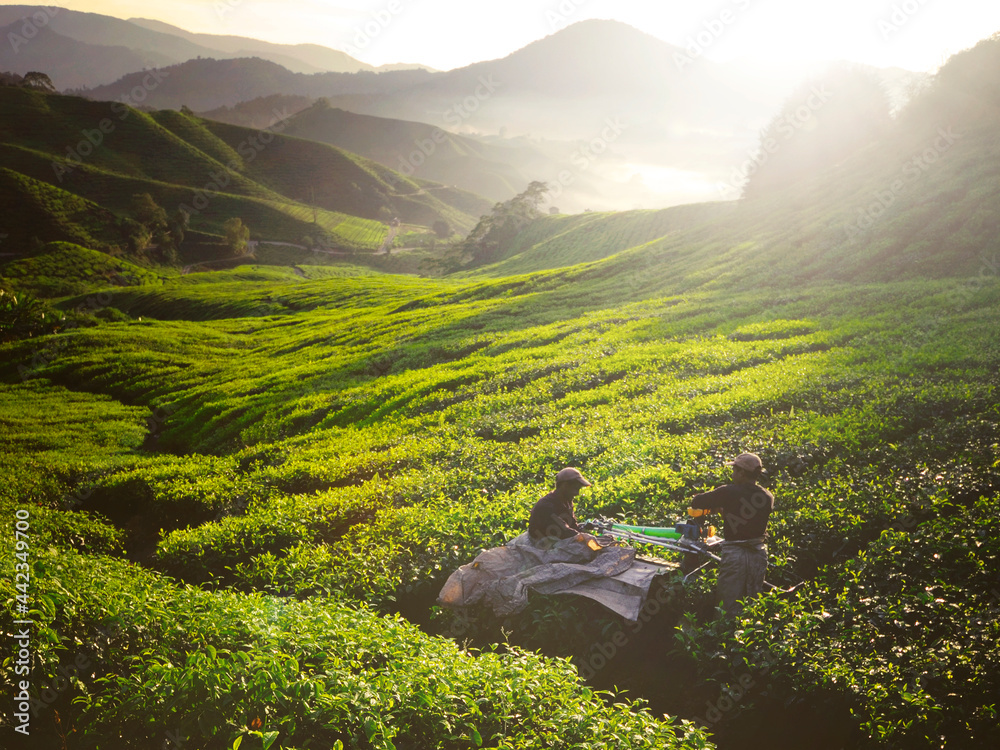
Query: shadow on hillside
[644,661]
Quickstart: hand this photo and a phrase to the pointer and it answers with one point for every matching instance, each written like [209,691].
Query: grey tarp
[500,578]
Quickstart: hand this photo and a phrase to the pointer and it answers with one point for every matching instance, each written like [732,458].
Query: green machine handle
[662,532]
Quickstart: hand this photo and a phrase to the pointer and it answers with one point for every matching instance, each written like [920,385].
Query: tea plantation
[229,502]
[241,491]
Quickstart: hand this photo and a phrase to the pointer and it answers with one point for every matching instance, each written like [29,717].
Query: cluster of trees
[30,80]
[489,239]
[442,229]
[151,225]
[826,120]
[237,236]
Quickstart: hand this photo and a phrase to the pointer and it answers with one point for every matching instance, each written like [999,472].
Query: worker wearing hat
[553,515]
[745,507]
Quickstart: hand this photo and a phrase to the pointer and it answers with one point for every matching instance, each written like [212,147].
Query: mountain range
[609,116]
[917,200]
[70,169]
[83,50]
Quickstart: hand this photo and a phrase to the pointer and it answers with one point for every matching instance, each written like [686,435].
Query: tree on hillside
[178,223]
[136,235]
[166,232]
[145,210]
[822,123]
[496,230]
[237,236]
[170,245]
[35,80]
[969,78]
[442,229]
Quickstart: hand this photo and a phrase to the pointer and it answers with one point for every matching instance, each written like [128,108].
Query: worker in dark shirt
[745,507]
[553,515]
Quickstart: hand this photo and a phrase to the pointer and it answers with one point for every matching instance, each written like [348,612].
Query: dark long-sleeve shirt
[746,509]
[553,516]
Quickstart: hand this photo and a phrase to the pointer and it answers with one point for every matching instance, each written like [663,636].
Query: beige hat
[572,475]
[748,462]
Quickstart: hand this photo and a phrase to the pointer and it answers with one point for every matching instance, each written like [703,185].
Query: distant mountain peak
[610,33]
[595,57]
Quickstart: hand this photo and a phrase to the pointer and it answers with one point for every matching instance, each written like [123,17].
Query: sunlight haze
[445,34]
[554,374]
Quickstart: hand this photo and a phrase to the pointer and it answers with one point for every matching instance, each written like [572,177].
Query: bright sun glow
[914,34]
[664,181]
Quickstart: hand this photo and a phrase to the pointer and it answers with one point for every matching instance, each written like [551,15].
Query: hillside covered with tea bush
[246,487]
[69,169]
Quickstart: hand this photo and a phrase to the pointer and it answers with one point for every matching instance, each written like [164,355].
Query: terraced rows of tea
[233,496]
[236,491]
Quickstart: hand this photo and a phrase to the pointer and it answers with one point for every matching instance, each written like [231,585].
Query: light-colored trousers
[741,572]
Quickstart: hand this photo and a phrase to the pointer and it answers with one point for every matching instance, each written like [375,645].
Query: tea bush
[353,440]
[160,660]
[904,635]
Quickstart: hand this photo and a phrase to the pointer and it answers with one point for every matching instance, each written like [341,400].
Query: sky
[446,34]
